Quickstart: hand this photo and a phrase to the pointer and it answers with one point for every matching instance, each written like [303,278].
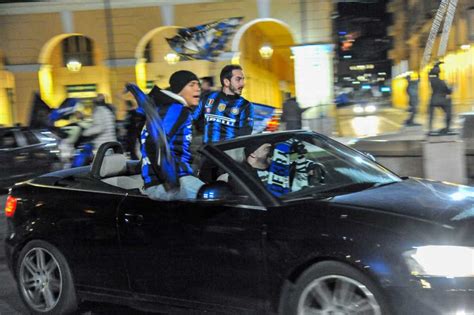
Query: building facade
[80,48]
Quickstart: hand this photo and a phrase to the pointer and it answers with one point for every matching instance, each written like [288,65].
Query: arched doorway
[151,67]
[7,94]
[268,78]
[72,65]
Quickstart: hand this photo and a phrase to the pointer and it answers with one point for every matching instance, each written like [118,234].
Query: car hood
[429,200]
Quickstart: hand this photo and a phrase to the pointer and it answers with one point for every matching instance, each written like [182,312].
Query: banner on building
[206,41]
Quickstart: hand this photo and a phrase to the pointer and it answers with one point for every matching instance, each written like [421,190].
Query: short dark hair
[226,72]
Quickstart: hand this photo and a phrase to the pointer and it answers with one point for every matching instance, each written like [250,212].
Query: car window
[30,137]
[211,172]
[8,141]
[308,165]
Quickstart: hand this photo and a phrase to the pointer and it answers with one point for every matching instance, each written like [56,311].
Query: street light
[171,58]
[74,66]
[266,51]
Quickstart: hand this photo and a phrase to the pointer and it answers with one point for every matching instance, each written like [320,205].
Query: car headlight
[441,261]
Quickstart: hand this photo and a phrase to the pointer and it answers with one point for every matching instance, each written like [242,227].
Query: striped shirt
[177,122]
[225,116]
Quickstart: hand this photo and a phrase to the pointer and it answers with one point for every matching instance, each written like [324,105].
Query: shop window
[78,48]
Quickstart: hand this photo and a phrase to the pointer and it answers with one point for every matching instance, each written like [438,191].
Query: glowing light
[74,66]
[358,109]
[385,89]
[171,58]
[266,51]
[465,47]
[370,109]
[365,126]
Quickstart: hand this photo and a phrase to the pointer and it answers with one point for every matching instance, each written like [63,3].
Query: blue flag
[204,42]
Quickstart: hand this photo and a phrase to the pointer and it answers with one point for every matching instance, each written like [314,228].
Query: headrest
[113,165]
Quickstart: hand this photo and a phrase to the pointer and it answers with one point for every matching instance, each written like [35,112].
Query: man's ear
[226,83]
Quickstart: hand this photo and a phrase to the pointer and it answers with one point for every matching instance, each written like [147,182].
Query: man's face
[191,93]
[237,82]
[205,85]
[263,153]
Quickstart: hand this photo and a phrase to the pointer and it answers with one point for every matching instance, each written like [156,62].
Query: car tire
[332,287]
[44,279]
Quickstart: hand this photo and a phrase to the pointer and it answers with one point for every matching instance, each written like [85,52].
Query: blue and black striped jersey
[225,116]
[177,122]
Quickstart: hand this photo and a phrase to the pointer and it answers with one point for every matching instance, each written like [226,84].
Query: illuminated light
[10,206]
[461,312]
[171,58]
[365,87]
[370,109]
[465,47]
[313,66]
[347,57]
[358,109]
[385,89]
[342,33]
[266,51]
[366,126]
[463,194]
[355,82]
[382,73]
[443,261]
[361,78]
[74,66]
[425,284]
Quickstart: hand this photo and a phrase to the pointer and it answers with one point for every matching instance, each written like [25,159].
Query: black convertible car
[26,153]
[326,231]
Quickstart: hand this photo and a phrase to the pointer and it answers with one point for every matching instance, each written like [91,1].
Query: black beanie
[179,79]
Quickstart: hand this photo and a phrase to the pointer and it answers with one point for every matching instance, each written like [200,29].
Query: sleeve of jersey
[246,119]
[199,111]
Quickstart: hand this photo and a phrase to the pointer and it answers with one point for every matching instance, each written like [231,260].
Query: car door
[12,158]
[185,252]
[85,230]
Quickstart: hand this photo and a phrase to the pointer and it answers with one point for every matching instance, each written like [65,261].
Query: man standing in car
[226,113]
[174,108]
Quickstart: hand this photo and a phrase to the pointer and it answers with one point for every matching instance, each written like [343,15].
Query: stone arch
[267,80]
[55,80]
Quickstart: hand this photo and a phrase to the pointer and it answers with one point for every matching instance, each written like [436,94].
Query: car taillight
[10,206]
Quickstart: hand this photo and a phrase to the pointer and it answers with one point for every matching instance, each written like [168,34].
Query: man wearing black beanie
[174,108]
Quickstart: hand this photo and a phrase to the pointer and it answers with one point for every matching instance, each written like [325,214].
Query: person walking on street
[440,97]
[133,124]
[412,92]
[226,113]
[292,113]
[103,127]
[174,108]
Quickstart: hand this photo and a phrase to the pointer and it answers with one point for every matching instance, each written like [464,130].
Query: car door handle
[136,219]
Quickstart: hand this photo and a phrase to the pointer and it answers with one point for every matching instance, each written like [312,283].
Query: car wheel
[44,279]
[334,288]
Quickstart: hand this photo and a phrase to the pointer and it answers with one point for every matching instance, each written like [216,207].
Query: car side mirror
[217,193]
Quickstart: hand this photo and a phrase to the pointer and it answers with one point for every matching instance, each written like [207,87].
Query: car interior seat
[111,167]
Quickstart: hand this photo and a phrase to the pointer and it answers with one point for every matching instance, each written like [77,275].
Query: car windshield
[300,165]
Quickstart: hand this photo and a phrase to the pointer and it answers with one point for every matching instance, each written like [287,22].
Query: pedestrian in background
[412,92]
[103,127]
[292,113]
[133,125]
[440,97]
